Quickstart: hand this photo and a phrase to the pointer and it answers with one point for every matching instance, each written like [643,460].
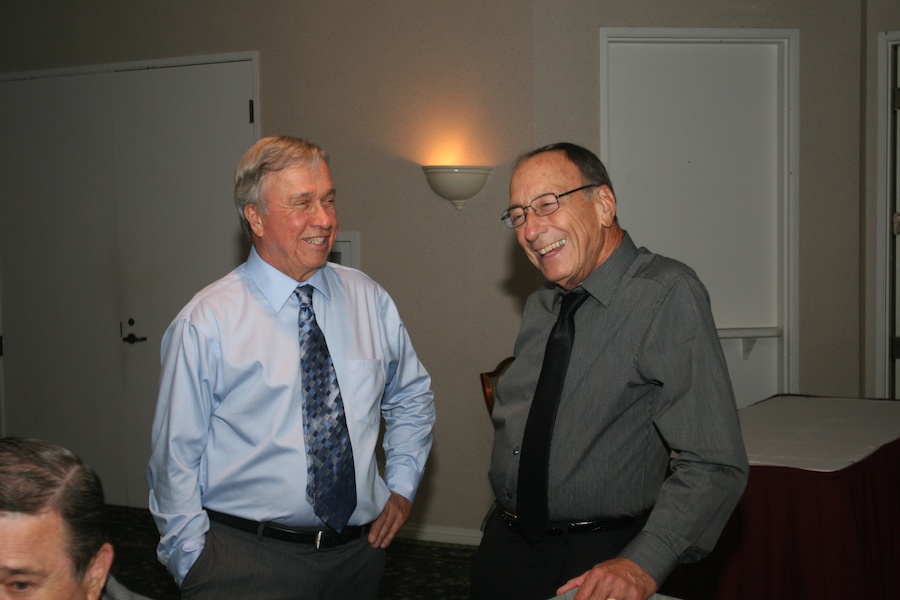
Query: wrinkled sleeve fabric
[407,407]
[694,413]
[179,436]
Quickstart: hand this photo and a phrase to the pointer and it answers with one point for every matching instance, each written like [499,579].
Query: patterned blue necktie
[331,479]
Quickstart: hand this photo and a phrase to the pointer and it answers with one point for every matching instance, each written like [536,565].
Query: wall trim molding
[444,535]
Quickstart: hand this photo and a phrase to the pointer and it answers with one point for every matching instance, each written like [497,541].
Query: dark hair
[38,477]
[588,164]
[274,153]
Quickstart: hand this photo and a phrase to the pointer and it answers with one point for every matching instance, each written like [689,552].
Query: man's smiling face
[570,243]
[298,226]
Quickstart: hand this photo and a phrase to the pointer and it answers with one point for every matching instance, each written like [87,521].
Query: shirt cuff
[404,481]
[183,558]
[654,557]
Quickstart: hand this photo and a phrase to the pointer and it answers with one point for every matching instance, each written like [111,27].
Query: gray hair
[274,153]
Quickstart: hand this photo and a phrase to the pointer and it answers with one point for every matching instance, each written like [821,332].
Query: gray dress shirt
[116,591]
[647,389]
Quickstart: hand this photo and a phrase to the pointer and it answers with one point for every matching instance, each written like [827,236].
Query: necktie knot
[304,293]
[571,301]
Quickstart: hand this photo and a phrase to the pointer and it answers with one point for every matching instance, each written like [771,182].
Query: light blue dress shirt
[228,430]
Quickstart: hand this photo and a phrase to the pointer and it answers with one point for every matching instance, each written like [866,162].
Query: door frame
[161,63]
[884,238]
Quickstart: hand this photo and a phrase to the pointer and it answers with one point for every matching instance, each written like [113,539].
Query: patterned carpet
[415,570]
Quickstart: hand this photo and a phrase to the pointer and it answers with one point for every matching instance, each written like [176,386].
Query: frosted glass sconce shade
[455,183]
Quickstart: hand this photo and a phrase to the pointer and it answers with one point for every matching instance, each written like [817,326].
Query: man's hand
[616,579]
[388,523]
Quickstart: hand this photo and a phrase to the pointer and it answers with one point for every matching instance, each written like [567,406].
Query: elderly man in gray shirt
[617,448]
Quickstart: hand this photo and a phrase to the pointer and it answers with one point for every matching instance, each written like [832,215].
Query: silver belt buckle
[319,539]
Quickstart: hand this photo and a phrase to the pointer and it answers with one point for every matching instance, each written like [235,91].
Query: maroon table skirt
[804,534]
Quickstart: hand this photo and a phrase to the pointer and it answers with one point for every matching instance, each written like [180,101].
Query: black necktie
[534,464]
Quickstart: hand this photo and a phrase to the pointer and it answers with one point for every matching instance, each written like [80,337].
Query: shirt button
[509,496]
[516,451]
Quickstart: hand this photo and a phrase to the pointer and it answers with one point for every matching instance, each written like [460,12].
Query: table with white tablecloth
[820,517]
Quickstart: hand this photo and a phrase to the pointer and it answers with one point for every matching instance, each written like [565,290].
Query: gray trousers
[236,565]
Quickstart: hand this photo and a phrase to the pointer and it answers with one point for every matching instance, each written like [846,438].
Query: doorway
[116,207]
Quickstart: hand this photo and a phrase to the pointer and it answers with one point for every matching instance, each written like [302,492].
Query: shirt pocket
[362,389]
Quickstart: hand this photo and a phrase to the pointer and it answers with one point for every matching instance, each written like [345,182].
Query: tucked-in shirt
[647,388]
[228,430]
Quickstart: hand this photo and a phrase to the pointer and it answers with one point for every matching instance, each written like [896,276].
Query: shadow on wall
[242,246]
[522,277]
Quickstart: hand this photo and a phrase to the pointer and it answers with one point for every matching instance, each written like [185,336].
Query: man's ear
[252,214]
[606,201]
[97,571]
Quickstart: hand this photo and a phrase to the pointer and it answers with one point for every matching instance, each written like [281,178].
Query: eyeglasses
[543,205]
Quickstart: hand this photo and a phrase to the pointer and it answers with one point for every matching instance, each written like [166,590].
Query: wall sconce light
[456,184]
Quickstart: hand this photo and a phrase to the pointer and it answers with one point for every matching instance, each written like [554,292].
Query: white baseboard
[444,535]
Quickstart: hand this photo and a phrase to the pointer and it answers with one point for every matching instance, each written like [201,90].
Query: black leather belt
[320,538]
[580,526]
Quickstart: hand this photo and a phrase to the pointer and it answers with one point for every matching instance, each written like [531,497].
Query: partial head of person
[53,540]
[286,201]
[563,210]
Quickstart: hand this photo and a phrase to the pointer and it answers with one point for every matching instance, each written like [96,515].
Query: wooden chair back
[489,382]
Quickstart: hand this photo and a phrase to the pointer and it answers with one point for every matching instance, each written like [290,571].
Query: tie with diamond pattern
[331,480]
[534,464]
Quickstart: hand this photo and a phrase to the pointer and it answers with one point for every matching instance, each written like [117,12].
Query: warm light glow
[449,151]
[450,140]
[441,112]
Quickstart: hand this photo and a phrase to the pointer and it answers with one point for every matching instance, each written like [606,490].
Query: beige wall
[384,86]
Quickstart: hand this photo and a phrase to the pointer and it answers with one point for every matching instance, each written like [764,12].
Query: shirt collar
[278,287]
[602,282]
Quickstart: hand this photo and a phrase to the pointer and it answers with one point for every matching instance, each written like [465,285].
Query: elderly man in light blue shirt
[229,456]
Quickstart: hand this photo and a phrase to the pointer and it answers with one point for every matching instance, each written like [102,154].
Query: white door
[698,132]
[107,237]
[62,364]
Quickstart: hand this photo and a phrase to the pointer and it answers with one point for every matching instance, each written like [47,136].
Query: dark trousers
[236,565]
[507,567]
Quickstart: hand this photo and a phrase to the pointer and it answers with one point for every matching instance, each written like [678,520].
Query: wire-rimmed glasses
[543,205]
